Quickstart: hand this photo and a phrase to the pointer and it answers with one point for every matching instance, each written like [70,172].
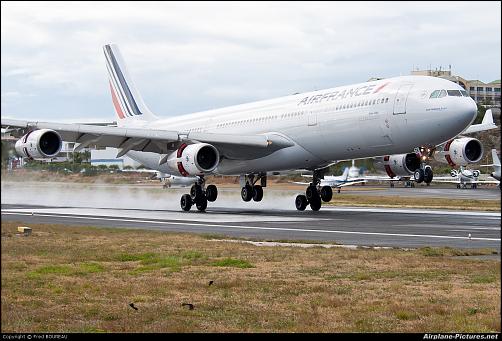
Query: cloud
[190,56]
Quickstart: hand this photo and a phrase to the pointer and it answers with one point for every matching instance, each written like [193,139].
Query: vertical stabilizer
[126,99]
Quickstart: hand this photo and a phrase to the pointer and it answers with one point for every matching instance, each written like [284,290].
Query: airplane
[464,177]
[495,164]
[334,181]
[460,151]
[311,130]
[177,181]
[168,179]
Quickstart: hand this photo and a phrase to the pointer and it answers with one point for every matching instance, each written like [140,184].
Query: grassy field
[414,202]
[82,279]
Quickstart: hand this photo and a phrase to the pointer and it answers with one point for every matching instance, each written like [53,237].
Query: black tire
[211,193]
[419,175]
[196,192]
[301,202]
[311,192]
[326,193]
[315,203]
[257,193]
[201,204]
[474,186]
[186,202]
[247,193]
[458,185]
[428,175]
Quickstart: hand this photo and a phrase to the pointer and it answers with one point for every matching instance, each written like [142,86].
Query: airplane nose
[467,110]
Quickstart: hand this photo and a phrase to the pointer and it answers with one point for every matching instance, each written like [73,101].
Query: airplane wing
[486,124]
[156,140]
[345,184]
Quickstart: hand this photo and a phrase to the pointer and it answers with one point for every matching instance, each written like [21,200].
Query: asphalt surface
[274,218]
[406,228]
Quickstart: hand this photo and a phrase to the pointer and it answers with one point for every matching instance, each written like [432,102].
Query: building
[487,94]
[108,157]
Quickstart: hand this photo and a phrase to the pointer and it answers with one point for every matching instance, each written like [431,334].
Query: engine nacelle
[194,159]
[39,144]
[460,152]
[399,164]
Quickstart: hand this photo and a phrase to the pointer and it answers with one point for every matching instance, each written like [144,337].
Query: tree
[481,114]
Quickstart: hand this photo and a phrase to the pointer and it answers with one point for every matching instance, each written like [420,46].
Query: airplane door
[401,98]
[312,120]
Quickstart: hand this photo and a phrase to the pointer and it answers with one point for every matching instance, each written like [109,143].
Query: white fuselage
[376,118]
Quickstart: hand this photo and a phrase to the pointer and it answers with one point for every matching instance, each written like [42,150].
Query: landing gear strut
[314,194]
[198,195]
[250,190]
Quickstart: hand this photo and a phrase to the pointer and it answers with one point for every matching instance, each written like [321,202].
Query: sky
[193,56]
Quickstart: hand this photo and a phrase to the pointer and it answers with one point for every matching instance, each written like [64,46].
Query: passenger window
[435,94]
[442,93]
[455,93]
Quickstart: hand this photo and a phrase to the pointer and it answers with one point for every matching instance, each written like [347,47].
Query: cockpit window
[464,93]
[435,94]
[455,93]
[442,93]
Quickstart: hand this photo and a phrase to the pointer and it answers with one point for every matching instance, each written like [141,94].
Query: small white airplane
[334,181]
[168,179]
[177,181]
[495,164]
[464,177]
[310,130]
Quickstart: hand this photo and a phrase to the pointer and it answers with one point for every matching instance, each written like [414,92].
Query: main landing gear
[250,190]
[199,196]
[314,195]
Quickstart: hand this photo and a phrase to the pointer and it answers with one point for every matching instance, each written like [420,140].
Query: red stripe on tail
[116,103]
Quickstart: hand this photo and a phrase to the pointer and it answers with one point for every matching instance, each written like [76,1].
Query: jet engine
[39,144]
[399,164]
[460,152]
[194,159]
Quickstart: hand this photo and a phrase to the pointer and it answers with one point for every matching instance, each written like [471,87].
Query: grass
[414,202]
[82,279]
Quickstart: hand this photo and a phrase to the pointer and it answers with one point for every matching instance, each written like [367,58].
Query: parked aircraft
[334,181]
[303,131]
[495,164]
[464,177]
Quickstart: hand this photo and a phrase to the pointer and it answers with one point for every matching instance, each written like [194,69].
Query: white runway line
[417,211]
[256,227]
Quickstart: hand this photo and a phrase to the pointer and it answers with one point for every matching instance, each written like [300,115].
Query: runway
[406,228]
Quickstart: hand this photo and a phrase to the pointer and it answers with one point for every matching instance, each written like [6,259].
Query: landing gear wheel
[247,193]
[196,191]
[186,202]
[428,175]
[257,193]
[315,203]
[419,175]
[201,204]
[301,202]
[311,192]
[326,193]
[474,186]
[211,193]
